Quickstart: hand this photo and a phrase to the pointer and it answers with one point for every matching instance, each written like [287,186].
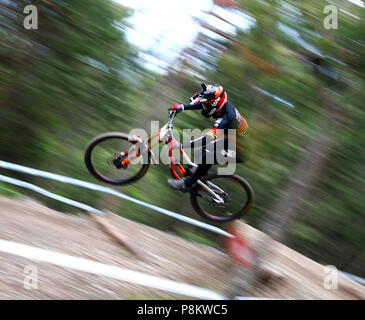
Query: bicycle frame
[166,131]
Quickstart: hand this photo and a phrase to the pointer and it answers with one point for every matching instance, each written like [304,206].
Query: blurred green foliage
[77,76]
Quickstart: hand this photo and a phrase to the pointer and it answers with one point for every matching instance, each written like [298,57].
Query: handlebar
[172,114]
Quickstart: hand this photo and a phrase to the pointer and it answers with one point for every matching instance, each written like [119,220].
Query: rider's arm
[181,107]
[195,106]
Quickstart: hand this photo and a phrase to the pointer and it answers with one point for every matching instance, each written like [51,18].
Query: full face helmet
[212,97]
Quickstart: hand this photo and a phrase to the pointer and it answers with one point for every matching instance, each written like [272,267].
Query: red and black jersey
[228,118]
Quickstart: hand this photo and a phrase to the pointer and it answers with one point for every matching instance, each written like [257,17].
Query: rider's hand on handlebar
[177,107]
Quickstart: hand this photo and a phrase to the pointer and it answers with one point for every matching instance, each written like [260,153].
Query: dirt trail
[28,222]
[295,276]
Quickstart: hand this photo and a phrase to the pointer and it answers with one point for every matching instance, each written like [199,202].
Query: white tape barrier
[35,188]
[354,278]
[109,271]
[92,186]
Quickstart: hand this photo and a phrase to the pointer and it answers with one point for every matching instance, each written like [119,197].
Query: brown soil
[28,222]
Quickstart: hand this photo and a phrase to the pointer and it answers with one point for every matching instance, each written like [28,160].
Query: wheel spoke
[108,159]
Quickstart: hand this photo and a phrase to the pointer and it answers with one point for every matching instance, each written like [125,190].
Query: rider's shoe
[179,185]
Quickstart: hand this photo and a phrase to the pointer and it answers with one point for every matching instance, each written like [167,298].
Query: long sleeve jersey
[228,118]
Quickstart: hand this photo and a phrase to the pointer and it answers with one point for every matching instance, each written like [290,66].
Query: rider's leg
[206,159]
[201,171]
[185,184]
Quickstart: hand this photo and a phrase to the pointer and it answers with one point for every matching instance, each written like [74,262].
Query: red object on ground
[239,249]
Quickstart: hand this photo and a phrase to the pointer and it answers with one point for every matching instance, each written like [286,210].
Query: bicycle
[206,196]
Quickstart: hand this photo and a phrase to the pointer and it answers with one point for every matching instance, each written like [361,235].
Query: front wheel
[115,158]
[236,192]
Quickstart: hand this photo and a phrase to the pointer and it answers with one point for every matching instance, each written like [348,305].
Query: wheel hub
[120,161]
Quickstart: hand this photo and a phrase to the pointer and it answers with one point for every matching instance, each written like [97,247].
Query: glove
[177,107]
[173,144]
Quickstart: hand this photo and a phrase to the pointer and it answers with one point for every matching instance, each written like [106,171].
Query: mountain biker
[213,102]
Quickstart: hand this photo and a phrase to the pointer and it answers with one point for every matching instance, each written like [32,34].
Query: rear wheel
[236,192]
[113,157]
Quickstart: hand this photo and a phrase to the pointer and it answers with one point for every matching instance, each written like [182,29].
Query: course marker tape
[354,278]
[35,188]
[92,186]
[101,269]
